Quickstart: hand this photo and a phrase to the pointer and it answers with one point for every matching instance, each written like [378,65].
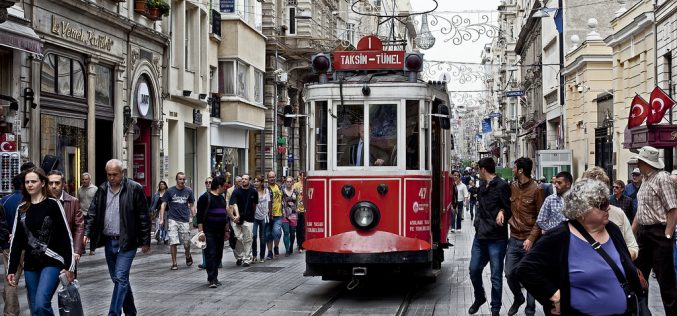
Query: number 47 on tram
[378,188]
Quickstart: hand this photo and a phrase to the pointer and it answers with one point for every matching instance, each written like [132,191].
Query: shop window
[63,75]
[104,85]
[48,70]
[65,138]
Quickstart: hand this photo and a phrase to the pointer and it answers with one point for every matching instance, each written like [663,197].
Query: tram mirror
[443,118]
[287,116]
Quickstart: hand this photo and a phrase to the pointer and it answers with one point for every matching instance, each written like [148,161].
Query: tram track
[330,304]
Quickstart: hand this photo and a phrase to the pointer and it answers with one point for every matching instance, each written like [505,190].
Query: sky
[466,51]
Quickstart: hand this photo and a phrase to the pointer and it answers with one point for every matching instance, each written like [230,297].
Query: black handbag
[636,306]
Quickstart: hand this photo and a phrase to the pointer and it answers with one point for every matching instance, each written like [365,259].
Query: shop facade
[19,44]
[97,91]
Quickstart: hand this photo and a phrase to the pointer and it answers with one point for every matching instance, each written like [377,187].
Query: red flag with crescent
[639,110]
[659,103]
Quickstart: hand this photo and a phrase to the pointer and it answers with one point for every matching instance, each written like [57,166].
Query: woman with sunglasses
[566,274]
[41,232]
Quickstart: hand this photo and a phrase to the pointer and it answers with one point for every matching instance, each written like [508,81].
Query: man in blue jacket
[491,235]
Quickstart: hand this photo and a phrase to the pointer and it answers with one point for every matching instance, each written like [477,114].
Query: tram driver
[353,153]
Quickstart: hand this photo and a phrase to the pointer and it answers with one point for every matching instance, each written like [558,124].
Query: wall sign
[87,37]
[227,6]
[143,98]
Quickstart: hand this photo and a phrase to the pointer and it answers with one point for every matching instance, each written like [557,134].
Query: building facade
[587,74]
[666,67]
[97,89]
[633,43]
[19,46]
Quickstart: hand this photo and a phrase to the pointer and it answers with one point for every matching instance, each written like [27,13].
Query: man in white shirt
[461,200]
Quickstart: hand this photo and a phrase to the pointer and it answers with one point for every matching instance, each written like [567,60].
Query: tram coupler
[353,284]
[359,271]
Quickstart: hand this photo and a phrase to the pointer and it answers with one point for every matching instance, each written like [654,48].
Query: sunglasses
[604,206]
[208,182]
[616,187]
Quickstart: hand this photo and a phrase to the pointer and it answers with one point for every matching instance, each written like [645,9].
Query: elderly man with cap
[654,225]
[632,188]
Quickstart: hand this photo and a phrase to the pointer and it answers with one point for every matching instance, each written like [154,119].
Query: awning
[21,37]
[531,129]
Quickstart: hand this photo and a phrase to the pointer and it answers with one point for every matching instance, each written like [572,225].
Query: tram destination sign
[369,56]
[368,60]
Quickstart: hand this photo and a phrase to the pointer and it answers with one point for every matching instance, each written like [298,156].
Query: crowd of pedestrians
[590,241]
[44,230]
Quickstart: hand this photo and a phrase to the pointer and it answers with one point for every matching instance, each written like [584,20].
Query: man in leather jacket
[526,199]
[118,219]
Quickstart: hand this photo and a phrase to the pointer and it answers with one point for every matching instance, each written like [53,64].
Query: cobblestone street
[278,288]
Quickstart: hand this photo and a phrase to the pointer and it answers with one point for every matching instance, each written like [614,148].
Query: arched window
[63,75]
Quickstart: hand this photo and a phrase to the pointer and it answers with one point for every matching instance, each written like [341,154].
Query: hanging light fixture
[425,40]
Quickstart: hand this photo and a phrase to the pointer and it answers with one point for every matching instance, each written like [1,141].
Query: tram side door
[439,183]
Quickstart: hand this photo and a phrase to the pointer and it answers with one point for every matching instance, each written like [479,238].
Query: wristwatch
[668,236]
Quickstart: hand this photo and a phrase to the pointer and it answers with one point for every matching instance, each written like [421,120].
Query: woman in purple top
[565,274]
[212,221]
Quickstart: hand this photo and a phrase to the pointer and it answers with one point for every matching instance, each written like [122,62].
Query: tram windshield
[352,144]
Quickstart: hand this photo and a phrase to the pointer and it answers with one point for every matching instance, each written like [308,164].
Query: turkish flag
[639,110]
[660,103]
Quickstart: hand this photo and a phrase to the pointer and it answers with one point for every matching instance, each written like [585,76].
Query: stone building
[633,44]
[97,88]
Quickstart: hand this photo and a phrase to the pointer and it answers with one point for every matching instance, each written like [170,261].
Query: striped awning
[21,37]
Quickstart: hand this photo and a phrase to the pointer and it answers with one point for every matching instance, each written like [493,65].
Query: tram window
[383,135]
[350,135]
[321,135]
[412,132]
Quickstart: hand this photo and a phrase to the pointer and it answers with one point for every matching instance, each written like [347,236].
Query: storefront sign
[143,98]
[659,136]
[87,37]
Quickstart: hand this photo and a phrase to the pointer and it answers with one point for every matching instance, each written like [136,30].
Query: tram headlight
[364,215]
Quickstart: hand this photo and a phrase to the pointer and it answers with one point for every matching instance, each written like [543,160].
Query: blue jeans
[275,228]
[119,263]
[289,236]
[488,251]
[472,206]
[512,260]
[261,231]
[458,216]
[40,288]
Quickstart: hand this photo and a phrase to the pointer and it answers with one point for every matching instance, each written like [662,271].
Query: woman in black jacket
[563,271]
[41,231]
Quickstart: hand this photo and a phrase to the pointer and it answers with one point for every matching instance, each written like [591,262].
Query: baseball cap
[636,171]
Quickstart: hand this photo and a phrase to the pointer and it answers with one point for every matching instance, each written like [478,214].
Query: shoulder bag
[635,306]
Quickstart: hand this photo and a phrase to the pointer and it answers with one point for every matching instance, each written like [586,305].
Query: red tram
[378,188]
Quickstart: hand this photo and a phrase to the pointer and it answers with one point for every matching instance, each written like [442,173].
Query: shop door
[190,158]
[104,134]
[604,151]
